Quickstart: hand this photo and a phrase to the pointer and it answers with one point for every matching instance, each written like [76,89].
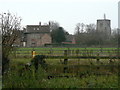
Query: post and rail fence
[69,53]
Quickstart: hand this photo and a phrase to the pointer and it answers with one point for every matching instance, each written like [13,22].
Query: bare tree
[87,34]
[53,25]
[9,26]
[79,28]
[90,28]
[82,27]
[79,32]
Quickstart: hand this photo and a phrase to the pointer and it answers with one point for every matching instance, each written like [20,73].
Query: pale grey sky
[67,12]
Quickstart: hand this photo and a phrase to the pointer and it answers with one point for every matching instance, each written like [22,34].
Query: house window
[34,28]
[33,44]
[37,28]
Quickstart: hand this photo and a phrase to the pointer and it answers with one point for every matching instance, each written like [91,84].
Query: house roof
[37,29]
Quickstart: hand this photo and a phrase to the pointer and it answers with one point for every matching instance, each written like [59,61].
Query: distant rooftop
[103,19]
[37,29]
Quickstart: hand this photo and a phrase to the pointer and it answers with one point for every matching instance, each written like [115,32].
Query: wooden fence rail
[84,57]
[71,53]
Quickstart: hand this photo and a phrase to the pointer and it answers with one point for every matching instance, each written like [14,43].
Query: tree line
[88,35]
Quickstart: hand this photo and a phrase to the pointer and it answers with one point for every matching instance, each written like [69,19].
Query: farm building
[37,35]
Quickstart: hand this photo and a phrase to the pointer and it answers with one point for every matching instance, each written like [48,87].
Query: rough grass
[30,79]
[88,82]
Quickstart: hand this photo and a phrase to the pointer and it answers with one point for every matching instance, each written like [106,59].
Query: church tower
[104,26]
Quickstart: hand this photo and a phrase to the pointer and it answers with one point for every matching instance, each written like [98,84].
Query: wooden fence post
[77,52]
[98,58]
[72,52]
[65,53]
[65,61]
[65,69]
[98,61]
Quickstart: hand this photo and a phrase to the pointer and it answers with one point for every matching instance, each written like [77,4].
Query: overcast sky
[66,12]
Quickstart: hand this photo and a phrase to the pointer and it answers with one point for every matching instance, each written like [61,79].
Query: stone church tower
[104,26]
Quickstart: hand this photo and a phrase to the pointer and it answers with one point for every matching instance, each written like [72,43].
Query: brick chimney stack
[39,23]
[49,23]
